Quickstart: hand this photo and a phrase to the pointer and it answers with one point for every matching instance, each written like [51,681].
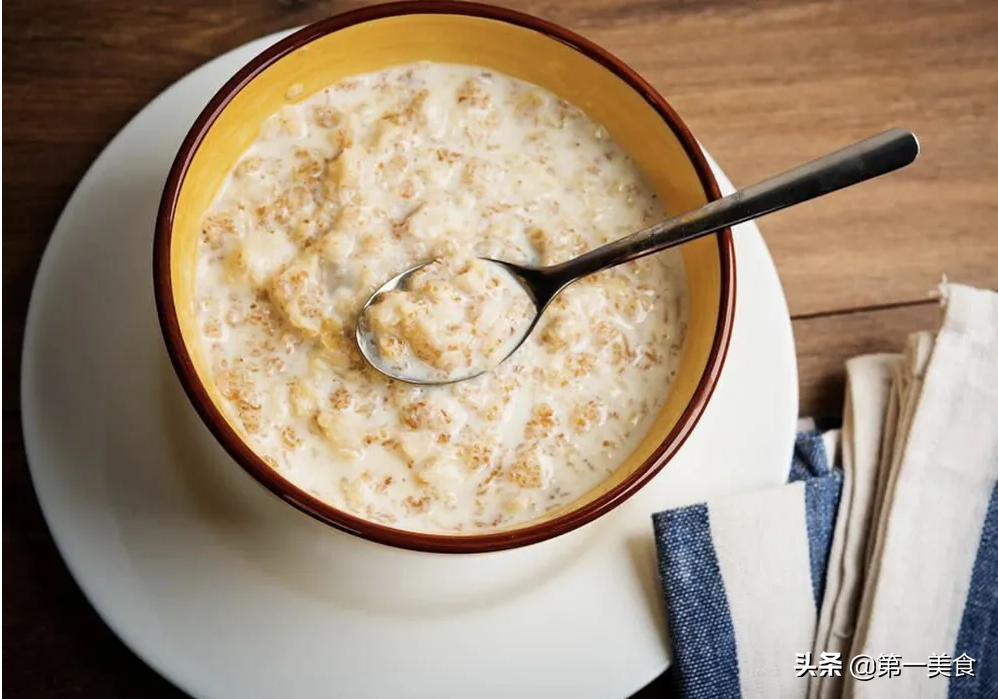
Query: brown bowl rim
[372,531]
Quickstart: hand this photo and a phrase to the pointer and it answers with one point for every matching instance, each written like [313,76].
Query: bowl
[522,46]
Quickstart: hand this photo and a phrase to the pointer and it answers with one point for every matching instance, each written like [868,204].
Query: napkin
[931,588]
[873,573]
[743,578]
[868,394]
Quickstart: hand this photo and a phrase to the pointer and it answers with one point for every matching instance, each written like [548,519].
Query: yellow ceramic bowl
[521,46]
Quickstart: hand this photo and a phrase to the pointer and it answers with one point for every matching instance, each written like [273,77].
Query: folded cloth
[868,390]
[743,578]
[931,590]
[904,573]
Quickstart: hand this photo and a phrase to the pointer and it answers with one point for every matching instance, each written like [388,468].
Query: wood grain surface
[764,84]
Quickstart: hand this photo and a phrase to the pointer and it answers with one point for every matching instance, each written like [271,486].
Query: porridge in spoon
[451,320]
[352,185]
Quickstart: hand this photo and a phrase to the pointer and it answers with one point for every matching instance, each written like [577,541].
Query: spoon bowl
[530,280]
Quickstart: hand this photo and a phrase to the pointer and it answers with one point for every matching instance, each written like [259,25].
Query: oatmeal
[352,185]
[453,319]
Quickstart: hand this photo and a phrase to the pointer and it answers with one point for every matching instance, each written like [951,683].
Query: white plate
[230,593]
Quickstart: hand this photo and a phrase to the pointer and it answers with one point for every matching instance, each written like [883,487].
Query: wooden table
[764,84]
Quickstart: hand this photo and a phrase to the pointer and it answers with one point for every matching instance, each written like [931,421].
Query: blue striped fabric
[705,655]
[978,635]
[822,487]
[703,636]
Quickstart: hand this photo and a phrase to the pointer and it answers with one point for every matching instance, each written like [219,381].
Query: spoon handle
[861,161]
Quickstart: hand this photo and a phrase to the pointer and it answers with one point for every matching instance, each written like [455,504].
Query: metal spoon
[879,155]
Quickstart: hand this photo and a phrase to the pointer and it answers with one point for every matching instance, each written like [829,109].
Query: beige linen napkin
[894,560]
[936,481]
[868,389]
